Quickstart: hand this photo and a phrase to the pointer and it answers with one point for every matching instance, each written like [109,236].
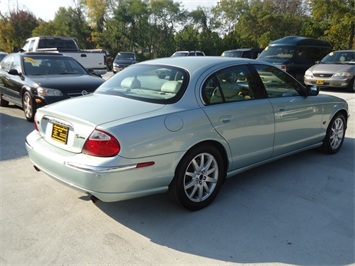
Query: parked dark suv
[295,54]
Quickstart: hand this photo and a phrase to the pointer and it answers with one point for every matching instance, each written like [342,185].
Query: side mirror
[312,90]
[14,72]
[92,72]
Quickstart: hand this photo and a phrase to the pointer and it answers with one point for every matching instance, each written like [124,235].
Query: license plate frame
[60,133]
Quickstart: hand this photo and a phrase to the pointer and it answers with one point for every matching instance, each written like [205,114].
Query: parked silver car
[204,120]
[336,70]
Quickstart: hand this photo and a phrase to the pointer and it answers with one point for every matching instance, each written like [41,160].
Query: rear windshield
[158,84]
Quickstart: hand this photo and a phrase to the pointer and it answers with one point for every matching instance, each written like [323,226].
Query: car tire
[3,102]
[335,135]
[198,178]
[351,87]
[28,106]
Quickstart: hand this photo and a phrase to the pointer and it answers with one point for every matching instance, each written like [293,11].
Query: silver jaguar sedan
[335,70]
[182,125]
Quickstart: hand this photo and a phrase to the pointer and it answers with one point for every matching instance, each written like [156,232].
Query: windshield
[159,84]
[232,53]
[180,54]
[341,57]
[126,56]
[278,52]
[51,65]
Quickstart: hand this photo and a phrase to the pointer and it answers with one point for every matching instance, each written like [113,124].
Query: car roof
[342,51]
[194,63]
[300,40]
[41,53]
[244,49]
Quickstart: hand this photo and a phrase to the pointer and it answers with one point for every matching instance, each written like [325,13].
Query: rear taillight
[35,123]
[101,144]
[36,126]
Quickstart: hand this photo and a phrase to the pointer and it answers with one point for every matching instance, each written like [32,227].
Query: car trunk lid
[67,124]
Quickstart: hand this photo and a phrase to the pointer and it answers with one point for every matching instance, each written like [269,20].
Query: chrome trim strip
[91,168]
[58,122]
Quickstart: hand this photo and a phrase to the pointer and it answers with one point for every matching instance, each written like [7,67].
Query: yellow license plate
[320,82]
[60,133]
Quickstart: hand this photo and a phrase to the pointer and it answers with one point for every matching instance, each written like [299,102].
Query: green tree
[15,28]
[334,19]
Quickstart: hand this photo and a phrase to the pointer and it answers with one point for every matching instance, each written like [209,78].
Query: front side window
[277,83]
[158,84]
[228,85]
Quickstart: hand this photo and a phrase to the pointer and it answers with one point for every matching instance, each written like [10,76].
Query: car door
[238,113]
[297,117]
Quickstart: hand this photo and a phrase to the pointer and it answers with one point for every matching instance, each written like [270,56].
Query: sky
[45,9]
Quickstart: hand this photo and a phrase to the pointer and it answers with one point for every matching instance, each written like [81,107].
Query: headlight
[48,92]
[115,64]
[308,73]
[342,74]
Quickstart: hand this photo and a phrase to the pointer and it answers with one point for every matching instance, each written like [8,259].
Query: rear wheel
[3,102]
[335,134]
[28,106]
[198,178]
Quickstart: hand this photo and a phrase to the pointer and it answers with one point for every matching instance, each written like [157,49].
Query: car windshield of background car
[278,52]
[159,84]
[51,65]
[339,58]
[126,56]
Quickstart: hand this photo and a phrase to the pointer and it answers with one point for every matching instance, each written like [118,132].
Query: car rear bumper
[99,178]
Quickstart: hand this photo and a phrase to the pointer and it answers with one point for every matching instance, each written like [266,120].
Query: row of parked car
[309,60]
[24,77]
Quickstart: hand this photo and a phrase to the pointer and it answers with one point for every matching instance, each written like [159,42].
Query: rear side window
[228,85]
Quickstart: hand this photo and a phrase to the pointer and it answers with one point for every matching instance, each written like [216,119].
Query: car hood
[98,109]
[332,68]
[68,81]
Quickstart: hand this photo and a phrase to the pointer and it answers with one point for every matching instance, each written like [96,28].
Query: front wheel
[198,178]
[335,134]
[3,102]
[28,106]
[351,87]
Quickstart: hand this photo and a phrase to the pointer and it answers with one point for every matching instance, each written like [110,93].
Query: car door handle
[281,108]
[226,119]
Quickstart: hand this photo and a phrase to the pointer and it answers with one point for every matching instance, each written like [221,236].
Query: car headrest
[130,83]
[171,86]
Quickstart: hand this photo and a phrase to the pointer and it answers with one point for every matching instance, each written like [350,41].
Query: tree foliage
[156,28]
